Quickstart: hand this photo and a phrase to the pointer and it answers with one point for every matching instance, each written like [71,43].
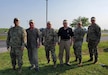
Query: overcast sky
[58,10]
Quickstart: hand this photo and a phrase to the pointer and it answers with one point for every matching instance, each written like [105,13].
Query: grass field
[47,69]
[3,30]
[3,37]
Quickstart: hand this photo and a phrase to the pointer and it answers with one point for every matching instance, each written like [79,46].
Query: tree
[84,20]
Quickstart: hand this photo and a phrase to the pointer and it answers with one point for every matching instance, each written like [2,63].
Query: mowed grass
[2,30]
[47,69]
[3,37]
[104,35]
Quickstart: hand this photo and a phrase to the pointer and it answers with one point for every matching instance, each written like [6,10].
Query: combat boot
[20,69]
[37,69]
[95,61]
[48,61]
[14,67]
[75,60]
[80,63]
[55,64]
[91,59]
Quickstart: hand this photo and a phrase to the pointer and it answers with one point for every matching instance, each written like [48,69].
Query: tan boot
[80,64]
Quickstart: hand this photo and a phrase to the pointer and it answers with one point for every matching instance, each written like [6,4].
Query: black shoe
[68,64]
[37,69]
[48,61]
[14,68]
[90,60]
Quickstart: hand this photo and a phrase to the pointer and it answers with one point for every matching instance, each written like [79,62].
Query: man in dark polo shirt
[65,35]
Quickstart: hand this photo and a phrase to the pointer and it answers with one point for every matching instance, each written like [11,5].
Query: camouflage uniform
[49,40]
[78,40]
[16,40]
[93,38]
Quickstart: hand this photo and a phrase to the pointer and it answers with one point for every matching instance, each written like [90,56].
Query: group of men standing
[32,38]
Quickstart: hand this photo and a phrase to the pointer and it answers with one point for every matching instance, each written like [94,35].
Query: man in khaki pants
[65,35]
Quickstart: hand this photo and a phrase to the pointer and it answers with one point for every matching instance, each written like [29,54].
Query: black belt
[65,39]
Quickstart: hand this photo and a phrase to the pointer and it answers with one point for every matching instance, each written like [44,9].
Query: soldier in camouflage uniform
[33,42]
[49,37]
[78,40]
[16,40]
[93,38]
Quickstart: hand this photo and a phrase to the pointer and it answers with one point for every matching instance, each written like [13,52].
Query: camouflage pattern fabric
[49,40]
[78,40]
[93,38]
[16,39]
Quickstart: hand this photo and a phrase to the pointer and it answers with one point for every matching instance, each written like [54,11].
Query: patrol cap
[31,21]
[93,18]
[16,19]
[48,22]
[64,21]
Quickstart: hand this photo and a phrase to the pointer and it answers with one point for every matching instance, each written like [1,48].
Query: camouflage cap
[48,22]
[31,21]
[93,18]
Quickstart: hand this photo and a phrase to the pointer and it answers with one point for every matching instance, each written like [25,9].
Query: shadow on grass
[104,66]
[106,50]
[44,70]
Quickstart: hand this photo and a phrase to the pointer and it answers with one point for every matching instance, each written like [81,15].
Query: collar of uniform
[65,28]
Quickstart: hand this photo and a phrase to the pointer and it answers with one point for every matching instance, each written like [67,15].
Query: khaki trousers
[64,45]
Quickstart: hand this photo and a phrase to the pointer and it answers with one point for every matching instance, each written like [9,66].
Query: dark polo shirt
[65,34]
